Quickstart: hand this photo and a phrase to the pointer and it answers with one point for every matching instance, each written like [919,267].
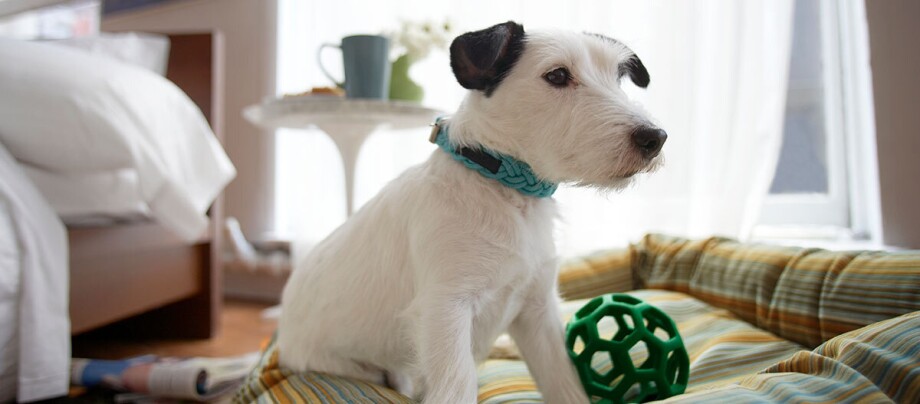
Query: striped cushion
[805,295]
[753,312]
[722,349]
[731,361]
[267,383]
[594,275]
[734,362]
[885,355]
[879,363]
[506,381]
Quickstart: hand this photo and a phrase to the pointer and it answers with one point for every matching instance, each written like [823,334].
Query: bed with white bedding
[126,159]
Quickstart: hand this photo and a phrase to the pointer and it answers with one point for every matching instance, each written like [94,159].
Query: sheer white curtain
[718,86]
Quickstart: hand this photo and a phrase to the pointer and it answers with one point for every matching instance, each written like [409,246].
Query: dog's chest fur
[509,237]
[526,268]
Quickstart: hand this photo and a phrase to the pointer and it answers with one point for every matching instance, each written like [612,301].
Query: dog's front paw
[453,391]
[569,390]
[575,395]
[450,398]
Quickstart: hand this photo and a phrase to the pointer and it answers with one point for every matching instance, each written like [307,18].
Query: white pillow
[150,51]
[114,194]
[67,111]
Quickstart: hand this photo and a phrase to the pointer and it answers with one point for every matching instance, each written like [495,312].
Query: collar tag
[435,129]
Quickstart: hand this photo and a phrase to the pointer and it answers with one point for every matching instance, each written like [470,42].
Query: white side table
[348,122]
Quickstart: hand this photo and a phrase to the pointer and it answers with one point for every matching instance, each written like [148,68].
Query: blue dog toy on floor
[663,374]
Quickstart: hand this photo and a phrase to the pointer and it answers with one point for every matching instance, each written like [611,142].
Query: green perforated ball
[605,365]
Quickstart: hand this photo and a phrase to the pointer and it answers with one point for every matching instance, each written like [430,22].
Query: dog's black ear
[632,66]
[481,59]
[636,71]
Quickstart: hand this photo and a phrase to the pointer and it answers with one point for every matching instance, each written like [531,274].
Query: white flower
[418,38]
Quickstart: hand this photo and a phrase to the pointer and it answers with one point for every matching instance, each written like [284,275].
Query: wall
[895,58]
[248,28]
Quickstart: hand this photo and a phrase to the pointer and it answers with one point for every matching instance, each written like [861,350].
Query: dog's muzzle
[649,141]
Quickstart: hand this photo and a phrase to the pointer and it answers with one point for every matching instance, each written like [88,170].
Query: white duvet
[34,324]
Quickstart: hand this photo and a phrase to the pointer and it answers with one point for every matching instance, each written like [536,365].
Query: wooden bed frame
[138,279]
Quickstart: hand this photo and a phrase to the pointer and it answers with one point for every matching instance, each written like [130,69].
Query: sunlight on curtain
[718,72]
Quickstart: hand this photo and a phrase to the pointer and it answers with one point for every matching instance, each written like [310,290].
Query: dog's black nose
[649,141]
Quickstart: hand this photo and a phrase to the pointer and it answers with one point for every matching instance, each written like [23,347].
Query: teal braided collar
[503,168]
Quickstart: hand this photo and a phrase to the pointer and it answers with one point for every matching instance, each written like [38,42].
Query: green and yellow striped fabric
[805,295]
[885,355]
[722,348]
[879,363]
[749,316]
[267,383]
[596,274]
[731,361]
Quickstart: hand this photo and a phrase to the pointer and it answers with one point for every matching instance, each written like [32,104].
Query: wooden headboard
[192,68]
[189,67]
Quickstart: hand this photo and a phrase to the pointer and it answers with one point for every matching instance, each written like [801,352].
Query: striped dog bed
[761,324]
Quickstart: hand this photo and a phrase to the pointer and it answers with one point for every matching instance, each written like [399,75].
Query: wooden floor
[242,330]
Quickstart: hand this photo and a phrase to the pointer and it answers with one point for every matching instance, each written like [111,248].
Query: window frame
[849,210]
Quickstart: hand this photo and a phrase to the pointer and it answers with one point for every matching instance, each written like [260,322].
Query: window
[823,173]
[65,20]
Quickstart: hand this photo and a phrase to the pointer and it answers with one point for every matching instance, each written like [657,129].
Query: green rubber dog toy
[663,373]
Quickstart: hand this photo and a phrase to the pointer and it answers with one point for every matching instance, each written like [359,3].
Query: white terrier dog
[413,289]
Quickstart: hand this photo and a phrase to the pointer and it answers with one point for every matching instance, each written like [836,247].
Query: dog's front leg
[445,350]
[538,332]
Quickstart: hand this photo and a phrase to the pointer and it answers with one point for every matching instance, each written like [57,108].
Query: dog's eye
[558,77]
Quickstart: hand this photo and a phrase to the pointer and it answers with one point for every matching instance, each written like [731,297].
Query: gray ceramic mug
[367,66]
